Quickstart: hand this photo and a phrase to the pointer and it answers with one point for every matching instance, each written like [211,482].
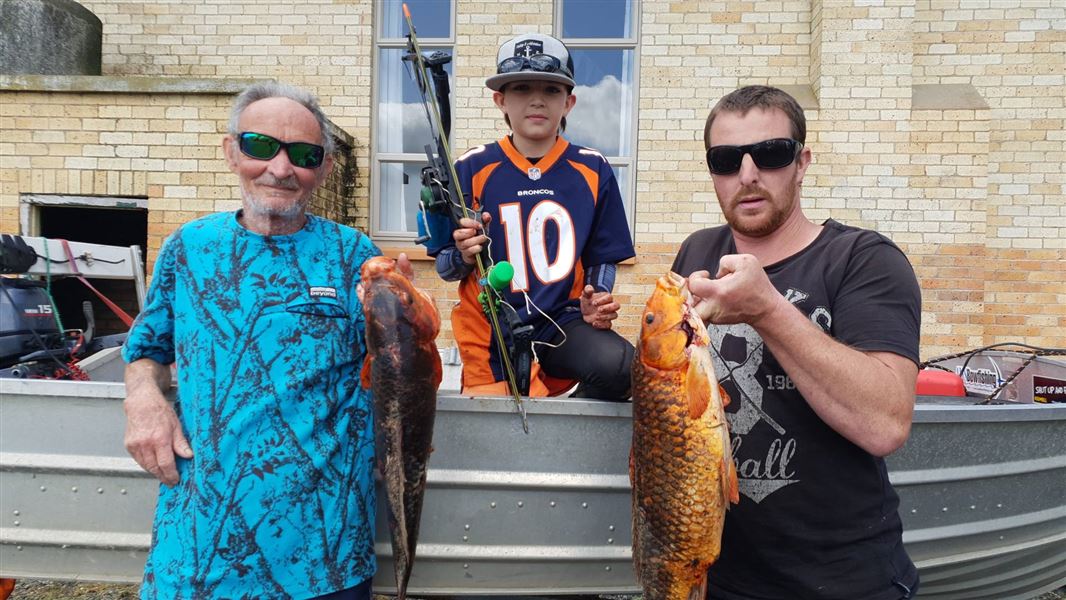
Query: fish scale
[681,466]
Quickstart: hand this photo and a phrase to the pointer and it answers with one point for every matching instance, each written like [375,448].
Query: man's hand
[598,308]
[740,292]
[470,237]
[153,432]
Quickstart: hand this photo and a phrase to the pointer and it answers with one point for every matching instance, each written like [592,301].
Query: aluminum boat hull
[982,489]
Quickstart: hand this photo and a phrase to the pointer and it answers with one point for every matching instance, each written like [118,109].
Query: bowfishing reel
[519,340]
[434,219]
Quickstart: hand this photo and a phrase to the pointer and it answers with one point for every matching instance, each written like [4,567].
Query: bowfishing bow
[441,194]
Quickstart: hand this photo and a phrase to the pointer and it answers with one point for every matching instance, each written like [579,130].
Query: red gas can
[935,382]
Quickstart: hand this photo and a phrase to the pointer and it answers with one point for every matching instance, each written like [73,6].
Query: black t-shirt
[817,518]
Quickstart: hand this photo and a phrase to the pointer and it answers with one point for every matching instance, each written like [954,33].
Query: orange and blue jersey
[551,220]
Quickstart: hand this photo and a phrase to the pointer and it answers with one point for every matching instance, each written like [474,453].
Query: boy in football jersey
[553,210]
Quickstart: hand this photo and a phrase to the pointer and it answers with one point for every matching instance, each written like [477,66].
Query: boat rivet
[610,540]
[999,506]
[74,489]
[466,538]
[973,507]
[945,509]
[122,491]
[1001,537]
[467,527]
[17,523]
[19,548]
[15,512]
[466,566]
[914,511]
[492,505]
[43,488]
[584,505]
[552,503]
[610,528]
[607,568]
[99,490]
[521,504]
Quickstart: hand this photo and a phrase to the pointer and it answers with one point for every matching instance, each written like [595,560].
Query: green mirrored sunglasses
[263,147]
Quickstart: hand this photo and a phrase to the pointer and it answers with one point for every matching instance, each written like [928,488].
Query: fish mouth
[689,330]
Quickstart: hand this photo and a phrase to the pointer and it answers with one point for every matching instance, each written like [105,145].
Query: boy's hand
[470,237]
[598,308]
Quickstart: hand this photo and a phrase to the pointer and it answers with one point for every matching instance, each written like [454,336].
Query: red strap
[128,320]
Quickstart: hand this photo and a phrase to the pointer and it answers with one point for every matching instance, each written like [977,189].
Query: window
[402,130]
[602,36]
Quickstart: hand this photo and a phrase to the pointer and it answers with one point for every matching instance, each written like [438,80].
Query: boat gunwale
[928,409]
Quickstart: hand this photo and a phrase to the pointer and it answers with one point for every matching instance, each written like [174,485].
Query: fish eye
[649,318]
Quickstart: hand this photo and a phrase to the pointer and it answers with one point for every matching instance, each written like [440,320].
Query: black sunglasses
[767,154]
[544,63]
[264,147]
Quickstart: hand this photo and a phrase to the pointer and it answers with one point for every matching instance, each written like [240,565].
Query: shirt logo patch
[534,173]
[323,292]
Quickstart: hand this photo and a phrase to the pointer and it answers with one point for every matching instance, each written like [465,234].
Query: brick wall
[165,147]
[967,179]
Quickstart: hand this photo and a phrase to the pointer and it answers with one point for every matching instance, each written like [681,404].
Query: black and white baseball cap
[538,49]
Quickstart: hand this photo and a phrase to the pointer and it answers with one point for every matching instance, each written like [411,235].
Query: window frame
[378,158]
[632,42]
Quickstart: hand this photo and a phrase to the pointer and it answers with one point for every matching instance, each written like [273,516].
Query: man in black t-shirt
[815,337]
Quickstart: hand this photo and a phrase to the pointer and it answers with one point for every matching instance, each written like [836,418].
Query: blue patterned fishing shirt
[267,334]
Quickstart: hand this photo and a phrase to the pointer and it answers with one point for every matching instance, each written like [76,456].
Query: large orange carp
[681,465]
[403,370]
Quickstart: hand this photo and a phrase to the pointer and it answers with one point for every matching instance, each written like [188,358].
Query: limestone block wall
[163,146]
[938,123]
[996,270]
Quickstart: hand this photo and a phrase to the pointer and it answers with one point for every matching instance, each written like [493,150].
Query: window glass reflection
[602,117]
[432,18]
[402,122]
[597,18]
[399,200]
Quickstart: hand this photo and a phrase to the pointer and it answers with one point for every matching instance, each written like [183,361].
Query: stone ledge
[803,93]
[946,96]
[122,85]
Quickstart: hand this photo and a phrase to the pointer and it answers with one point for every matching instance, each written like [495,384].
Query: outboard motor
[27,324]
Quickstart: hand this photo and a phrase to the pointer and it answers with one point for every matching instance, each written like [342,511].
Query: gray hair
[272,89]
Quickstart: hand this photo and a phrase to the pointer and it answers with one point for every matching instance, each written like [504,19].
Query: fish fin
[730,485]
[638,514]
[699,591]
[698,384]
[725,397]
[364,375]
[438,368]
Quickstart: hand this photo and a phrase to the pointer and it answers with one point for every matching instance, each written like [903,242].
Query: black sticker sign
[528,48]
[1048,389]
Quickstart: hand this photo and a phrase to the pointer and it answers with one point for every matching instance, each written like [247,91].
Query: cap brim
[496,82]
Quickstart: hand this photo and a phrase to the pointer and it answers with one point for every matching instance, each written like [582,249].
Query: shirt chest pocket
[328,322]
[327,309]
